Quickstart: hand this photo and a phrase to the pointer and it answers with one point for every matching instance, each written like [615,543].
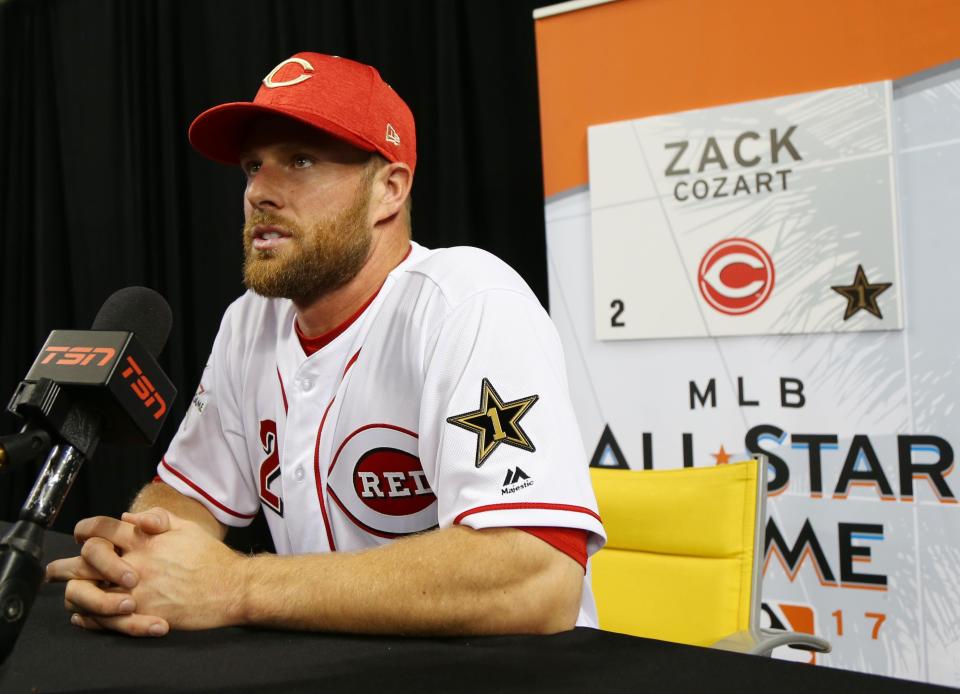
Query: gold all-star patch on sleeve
[496,422]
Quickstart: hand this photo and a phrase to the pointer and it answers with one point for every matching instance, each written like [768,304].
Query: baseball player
[401,414]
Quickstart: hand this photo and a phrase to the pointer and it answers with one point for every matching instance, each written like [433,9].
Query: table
[53,656]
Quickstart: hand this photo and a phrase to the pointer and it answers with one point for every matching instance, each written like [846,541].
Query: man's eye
[251,168]
[302,161]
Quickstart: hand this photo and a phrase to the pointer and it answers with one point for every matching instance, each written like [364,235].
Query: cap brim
[218,132]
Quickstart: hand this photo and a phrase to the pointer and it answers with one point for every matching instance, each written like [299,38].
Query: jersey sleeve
[205,460]
[497,424]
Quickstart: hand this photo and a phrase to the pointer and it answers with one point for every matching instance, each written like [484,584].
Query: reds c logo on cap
[307,73]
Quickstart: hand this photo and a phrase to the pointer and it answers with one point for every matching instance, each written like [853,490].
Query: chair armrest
[763,641]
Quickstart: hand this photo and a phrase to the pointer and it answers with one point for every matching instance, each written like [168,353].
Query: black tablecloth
[53,656]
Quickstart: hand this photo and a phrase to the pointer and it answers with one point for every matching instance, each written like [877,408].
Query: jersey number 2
[270,467]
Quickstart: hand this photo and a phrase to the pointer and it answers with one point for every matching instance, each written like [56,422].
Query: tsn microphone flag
[774,216]
[111,369]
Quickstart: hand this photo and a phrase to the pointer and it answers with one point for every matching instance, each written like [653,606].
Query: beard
[316,260]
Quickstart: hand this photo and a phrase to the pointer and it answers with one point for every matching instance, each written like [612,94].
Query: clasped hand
[149,572]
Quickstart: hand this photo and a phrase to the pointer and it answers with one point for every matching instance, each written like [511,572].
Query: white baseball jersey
[445,402]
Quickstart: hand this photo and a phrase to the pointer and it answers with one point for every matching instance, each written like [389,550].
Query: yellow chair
[683,554]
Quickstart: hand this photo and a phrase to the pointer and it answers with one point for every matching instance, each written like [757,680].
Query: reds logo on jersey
[392,482]
[377,481]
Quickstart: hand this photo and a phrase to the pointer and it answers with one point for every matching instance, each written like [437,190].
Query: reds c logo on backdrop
[304,73]
[377,481]
[736,276]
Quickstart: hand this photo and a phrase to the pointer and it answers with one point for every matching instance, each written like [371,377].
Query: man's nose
[264,190]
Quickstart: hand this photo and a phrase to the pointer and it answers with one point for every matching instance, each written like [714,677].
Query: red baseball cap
[342,97]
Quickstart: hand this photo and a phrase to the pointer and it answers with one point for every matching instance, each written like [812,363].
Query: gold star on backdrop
[862,295]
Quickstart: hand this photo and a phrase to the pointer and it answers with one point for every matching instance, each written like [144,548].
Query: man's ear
[391,188]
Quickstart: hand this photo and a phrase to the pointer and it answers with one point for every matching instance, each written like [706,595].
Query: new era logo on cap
[392,135]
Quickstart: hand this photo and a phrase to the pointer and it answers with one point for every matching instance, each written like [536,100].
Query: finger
[78,620]
[88,598]
[103,558]
[132,624]
[100,585]
[152,522]
[71,568]
[121,534]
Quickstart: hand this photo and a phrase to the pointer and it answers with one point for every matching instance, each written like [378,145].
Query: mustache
[261,217]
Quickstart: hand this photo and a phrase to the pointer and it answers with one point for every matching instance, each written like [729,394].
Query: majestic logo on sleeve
[496,422]
[515,480]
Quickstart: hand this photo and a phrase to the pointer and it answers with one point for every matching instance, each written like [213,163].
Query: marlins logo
[791,617]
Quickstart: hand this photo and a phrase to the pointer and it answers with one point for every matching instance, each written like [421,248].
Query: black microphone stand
[21,549]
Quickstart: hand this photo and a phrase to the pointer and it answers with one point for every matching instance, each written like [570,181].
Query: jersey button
[306,384]
[298,473]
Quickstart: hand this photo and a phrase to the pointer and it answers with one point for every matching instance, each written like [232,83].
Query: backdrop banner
[774,273]
[752,218]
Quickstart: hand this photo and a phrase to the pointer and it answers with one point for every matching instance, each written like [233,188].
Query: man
[401,414]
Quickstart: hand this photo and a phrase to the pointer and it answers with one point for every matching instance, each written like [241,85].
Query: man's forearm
[452,581]
[163,495]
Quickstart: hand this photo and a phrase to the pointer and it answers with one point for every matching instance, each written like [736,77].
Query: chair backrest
[683,550]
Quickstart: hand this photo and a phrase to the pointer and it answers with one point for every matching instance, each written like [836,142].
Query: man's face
[306,208]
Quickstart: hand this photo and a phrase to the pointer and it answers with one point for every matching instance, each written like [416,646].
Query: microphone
[85,386]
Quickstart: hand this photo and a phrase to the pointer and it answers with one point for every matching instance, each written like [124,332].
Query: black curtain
[101,190]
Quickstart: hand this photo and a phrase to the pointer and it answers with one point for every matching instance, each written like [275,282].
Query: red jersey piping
[524,505]
[316,475]
[316,458]
[282,391]
[206,496]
